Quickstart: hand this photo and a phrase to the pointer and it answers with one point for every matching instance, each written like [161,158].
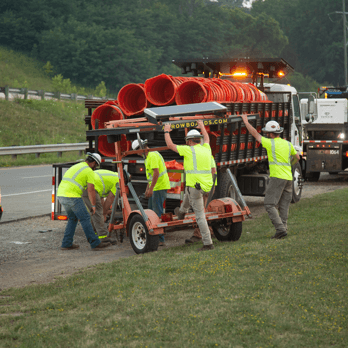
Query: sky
[247,3]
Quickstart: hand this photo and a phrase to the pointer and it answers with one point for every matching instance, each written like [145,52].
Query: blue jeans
[156,204]
[76,210]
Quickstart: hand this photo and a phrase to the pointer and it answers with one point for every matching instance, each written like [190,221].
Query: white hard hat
[192,134]
[272,127]
[136,145]
[95,156]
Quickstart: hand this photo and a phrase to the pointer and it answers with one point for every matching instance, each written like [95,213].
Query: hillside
[20,70]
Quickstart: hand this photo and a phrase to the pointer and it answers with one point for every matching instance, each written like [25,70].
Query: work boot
[101,246]
[206,247]
[279,235]
[72,247]
[179,214]
[193,240]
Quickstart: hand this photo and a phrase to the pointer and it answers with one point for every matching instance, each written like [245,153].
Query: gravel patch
[30,249]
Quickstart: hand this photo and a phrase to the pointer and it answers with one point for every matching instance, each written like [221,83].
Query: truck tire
[313,177]
[225,188]
[224,233]
[296,189]
[140,239]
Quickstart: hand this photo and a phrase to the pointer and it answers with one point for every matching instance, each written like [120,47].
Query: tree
[315,38]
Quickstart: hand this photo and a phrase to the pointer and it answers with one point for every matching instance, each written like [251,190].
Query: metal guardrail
[41,93]
[38,149]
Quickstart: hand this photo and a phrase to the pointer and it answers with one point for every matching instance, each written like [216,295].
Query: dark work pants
[278,193]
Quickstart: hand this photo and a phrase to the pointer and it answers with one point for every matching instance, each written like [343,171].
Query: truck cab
[296,122]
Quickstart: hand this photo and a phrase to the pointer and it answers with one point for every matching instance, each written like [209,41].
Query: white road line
[30,177]
[25,193]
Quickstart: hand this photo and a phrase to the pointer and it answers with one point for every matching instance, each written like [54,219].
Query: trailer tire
[296,189]
[224,233]
[140,239]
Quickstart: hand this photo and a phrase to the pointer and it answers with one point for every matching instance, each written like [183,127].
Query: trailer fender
[227,205]
[153,219]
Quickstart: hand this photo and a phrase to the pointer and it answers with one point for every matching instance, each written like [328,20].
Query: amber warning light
[240,74]
[281,73]
[62,217]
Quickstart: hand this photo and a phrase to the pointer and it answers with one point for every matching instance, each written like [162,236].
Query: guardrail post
[73,96]
[57,95]
[90,96]
[41,93]
[25,92]
[14,157]
[80,153]
[6,92]
[37,155]
[59,154]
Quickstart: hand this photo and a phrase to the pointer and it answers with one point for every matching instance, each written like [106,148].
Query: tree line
[120,42]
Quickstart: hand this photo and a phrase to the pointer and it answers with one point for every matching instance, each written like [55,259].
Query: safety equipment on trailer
[272,127]
[192,134]
[95,157]
[136,145]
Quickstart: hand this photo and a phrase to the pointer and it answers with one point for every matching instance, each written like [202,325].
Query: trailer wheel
[296,187]
[141,241]
[224,233]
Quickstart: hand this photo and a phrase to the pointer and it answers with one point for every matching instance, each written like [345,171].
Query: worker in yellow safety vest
[76,179]
[158,180]
[197,166]
[105,191]
[197,236]
[281,155]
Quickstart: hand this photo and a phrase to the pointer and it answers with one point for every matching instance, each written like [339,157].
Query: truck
[242,166]
[325,131]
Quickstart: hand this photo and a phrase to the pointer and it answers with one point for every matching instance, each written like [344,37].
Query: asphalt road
[25,191]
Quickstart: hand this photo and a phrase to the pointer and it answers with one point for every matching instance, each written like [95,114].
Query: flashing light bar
[240,74]
[62,217]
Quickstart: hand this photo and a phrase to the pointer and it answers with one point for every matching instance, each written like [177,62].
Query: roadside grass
[20,70]
[256,292]
[37,122]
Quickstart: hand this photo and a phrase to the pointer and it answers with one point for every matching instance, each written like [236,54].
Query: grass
[256,292]
[20,70]
[35,122]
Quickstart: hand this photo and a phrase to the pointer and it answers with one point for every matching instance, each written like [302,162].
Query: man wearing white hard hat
[197,165]
[281,155]
[158,180]
[76,179]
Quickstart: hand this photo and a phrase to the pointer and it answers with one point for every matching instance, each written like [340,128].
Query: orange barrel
[238,91]
[105,113]
[228,92]
[256,92]
[160,90]
[190,92]
[105,148]
[248,96]
[132,99]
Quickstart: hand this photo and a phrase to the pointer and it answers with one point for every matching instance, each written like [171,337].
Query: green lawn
[256,292]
